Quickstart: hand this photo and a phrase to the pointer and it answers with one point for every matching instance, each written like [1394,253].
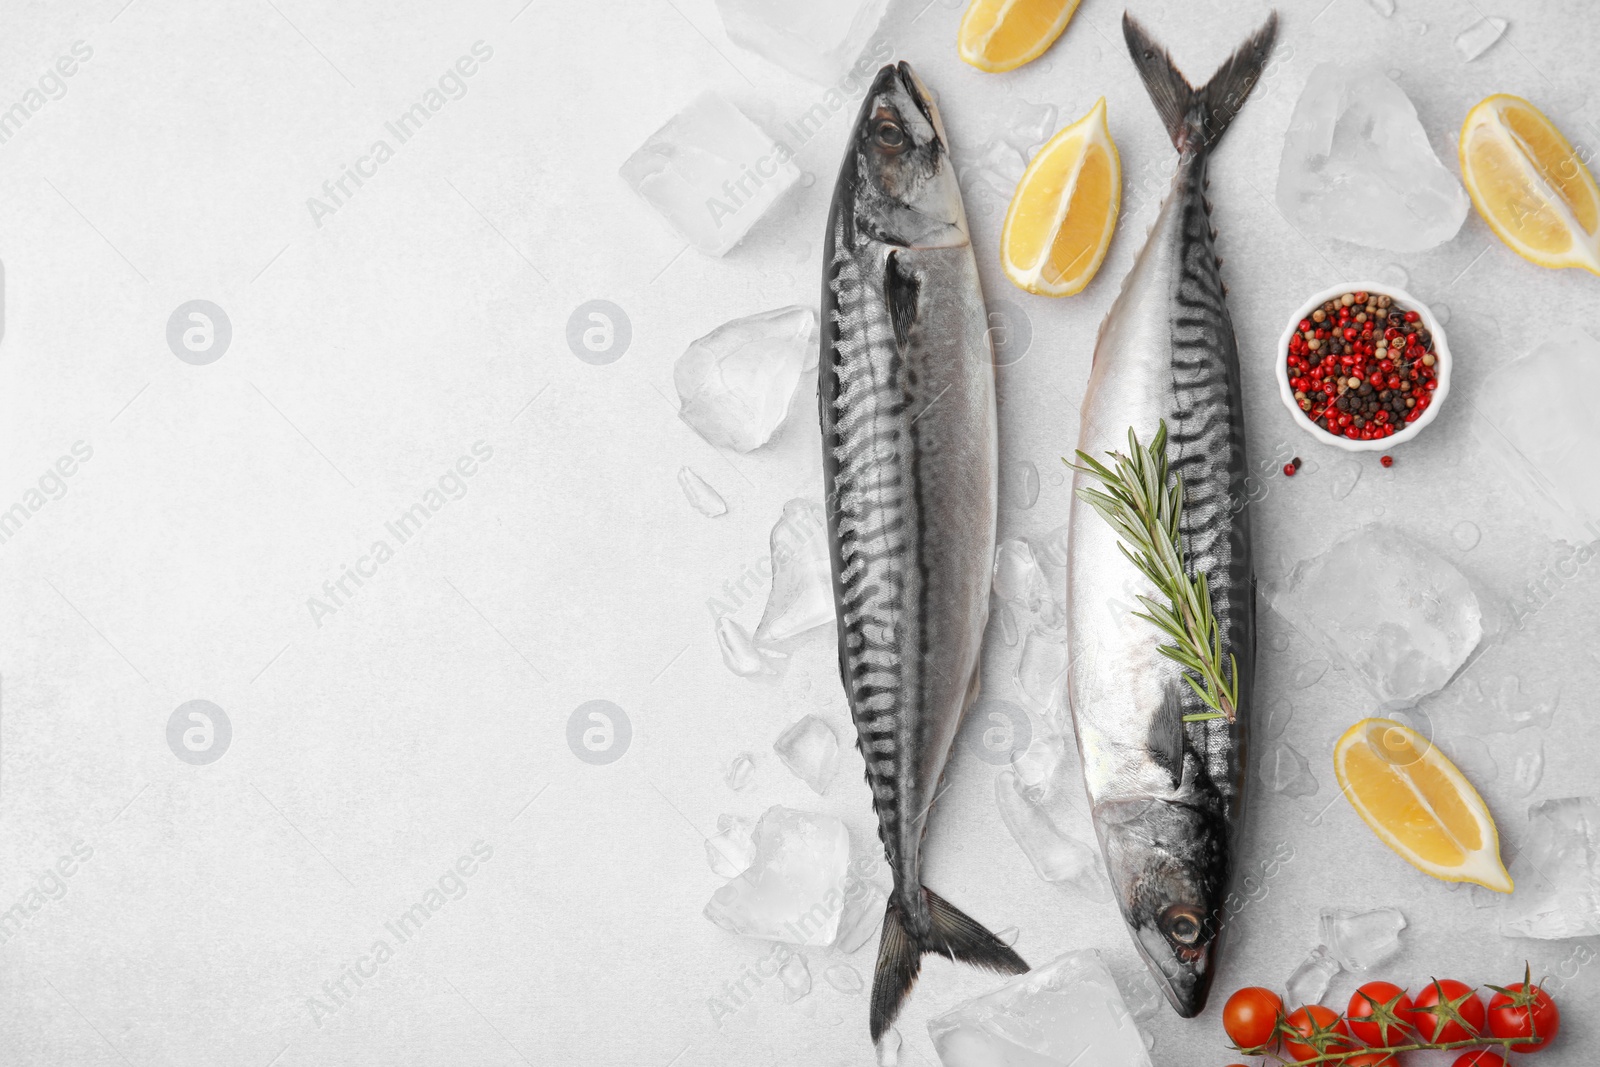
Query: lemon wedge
[1064,210]
[1000,35]
[1529,184]
[1419,803]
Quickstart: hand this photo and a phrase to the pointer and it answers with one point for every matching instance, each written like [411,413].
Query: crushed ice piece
[1042,668]
[1357,164]
[1053,547]
[1521,755]
[1541,429]
[1022,484]
[1008,625]
[1066,1012]
[1346,473]
[1144,998]
[796,978]
[791,891]
[810,749]
[802,582]
[1558,873]
[1403,618]
[1475,40]
[1308,673]
[1382,7]
[731,850]
[1466,535]
[1056,856]
[735,383]
[1286,771]
[819,40]
[1008,936]
[740,774]
[863,913]
[704,499]
[1019,580]
[1036,766]
[739,652]
[1360,941]
[1474,759]
[711,173]
[1025,125]
[844,978]
[889,1049]
[998,166]
[1278,717]
[1309,982]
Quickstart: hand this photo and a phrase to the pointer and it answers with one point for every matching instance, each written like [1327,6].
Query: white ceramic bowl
[1441,350]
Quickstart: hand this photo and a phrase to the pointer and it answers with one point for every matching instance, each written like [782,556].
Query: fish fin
[899,962]
[952,934]
[1166,732]
[1198,118]
[901,291]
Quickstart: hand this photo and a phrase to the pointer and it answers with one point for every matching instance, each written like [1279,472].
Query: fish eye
[890,136]
[1182,924]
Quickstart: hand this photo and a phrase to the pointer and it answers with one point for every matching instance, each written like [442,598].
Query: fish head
[1168,863]
[897,182]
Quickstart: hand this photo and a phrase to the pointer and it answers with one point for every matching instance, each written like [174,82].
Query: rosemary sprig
[1145,511]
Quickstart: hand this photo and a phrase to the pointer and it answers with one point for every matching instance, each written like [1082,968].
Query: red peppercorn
[1412,316]
[1387,461]
[1288,470]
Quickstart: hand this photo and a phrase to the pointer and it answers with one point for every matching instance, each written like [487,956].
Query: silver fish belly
[910,455]
[1166,794]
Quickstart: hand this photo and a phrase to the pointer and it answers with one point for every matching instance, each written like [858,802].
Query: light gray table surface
[421,318]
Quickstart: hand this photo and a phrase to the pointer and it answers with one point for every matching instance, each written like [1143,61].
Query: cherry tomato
[1431,1009]
[1481,1058]
[1251,1017]
[1372,1059]
[1391,1000]
[1522,1011]
[1319,1026]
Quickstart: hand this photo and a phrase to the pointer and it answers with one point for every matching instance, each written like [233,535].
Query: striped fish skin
[1166,796]
[910,454]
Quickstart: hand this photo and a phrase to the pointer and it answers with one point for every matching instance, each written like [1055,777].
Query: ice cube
[1056,856]
[1360,941]
[1019,580]
[1036,766]
[844,978]
[820,39]
[1558,873]
[704,499]
[1309,982]
[1539,429]
[1357,164]
[1042,669]
[793,888]
[1403,618]
[1288,772]
[863,913]
[739,653]
[711,173]
[731,850]
[740,772]
[810,749]
[1068,1012]
[1026,125]
[796,978]
[1522,755]
[736,382]
[1475,40]
[801,598]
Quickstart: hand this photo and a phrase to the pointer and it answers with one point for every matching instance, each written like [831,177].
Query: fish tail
[1197,118]
[952,933]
